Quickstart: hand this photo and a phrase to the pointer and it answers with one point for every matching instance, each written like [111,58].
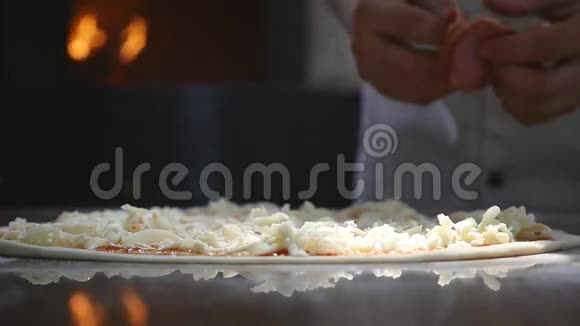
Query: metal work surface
[534,290]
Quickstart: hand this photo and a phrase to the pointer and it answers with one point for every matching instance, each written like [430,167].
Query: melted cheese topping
[223,228]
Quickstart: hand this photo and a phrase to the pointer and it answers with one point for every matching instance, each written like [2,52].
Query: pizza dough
[266,234]
[563,242]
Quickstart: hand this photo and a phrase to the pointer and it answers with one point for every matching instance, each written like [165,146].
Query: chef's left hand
[529,89]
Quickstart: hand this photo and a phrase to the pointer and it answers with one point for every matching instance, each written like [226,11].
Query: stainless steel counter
[535,290]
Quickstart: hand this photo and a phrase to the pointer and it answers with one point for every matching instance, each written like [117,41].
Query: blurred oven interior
[192,82]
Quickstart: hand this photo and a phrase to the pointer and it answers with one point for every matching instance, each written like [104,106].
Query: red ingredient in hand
[467,71]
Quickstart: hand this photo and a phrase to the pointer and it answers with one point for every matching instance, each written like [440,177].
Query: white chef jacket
[538,167]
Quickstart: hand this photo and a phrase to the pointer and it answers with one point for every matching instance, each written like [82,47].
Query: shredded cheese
[223,228]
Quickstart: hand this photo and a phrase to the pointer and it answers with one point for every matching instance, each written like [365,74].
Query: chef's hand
[384,32]
[550,9]
[529,89]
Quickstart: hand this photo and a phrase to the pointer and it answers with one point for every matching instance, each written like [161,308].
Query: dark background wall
[51,140]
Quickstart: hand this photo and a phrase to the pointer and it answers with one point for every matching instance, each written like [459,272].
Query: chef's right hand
[384,33]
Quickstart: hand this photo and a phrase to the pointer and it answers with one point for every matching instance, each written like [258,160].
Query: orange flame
[85,37]
[83,311]
[134,40]
[135,309]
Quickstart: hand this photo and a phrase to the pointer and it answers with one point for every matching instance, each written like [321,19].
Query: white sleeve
[344,9]
[434,117]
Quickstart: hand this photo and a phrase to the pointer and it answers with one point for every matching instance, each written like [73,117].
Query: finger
[401,72]
[419,77]
[545,43]
[521,84]
[403,21]
[566,78]
[560,13]
[533,95]
[438,7]
[522,7]
[536,117]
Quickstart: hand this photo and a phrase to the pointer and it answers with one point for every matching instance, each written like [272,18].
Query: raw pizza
[223,232]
